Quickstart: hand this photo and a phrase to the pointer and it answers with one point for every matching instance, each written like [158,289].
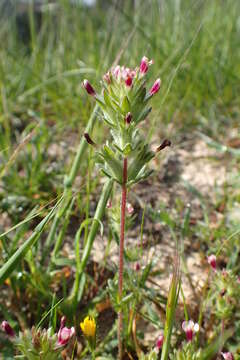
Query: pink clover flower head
[130,208]
[155,88]
[190,328]
[212,260]
[88,87]
[6,327]
[64,335]
[227,355]
[144,65]
[159,342]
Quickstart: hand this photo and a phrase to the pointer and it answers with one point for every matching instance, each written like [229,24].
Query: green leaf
[113,163]
[142,116]
[126,105]
[107,99]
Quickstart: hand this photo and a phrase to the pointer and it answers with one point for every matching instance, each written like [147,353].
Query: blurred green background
[48,48]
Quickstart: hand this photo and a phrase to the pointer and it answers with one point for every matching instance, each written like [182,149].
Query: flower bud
[159,342]
[88,87]
[155,87]
[88,139]
[137,266]
[144,65]
[128,118]
[6,327]
[129,81]
[164,144]
[212,260]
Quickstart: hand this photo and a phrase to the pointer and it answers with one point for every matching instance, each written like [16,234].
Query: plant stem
[121,249]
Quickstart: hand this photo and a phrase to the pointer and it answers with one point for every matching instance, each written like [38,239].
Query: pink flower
[88,87]
[155,87]
[128,118]
[190,328]
[130,208]
[159,342]
[144,65]
[227,355]
[64,333]
[6,327]
[212,260]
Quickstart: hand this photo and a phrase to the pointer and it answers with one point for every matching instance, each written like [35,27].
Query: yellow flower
[88,327]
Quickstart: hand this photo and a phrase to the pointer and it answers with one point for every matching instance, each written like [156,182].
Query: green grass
[195,47]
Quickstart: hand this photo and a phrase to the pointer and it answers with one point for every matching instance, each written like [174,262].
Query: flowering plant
[124,102]
[37,343]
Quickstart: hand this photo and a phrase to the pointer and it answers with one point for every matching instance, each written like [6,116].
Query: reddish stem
[121,250]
